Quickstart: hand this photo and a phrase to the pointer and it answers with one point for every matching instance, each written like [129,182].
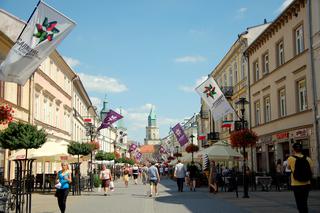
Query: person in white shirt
[135,173]
[105,176]
[180,174]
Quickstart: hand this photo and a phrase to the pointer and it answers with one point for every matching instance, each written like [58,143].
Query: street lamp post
[192,136]
[242,102]
[177,147]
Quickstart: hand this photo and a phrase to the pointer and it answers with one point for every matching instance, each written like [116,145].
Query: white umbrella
[220,151]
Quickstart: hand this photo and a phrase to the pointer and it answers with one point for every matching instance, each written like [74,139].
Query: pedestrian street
[134,199]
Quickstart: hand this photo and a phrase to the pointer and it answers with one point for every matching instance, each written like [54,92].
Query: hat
[297,146]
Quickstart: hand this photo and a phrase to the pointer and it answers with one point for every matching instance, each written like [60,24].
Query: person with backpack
[300,166]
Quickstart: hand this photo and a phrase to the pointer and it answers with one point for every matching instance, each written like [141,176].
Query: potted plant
[243,138]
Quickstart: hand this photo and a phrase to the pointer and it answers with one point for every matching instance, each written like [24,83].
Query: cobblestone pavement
[134,199]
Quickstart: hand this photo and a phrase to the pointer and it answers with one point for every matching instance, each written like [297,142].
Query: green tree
[22,136]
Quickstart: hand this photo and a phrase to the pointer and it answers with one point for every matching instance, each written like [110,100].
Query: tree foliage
[243,138]
[22,136]
[101,155]
[76,148]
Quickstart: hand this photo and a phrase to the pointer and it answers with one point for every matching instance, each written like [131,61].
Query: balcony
[227,91]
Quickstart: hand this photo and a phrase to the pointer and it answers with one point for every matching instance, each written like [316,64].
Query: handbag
[58,186]
[111,186]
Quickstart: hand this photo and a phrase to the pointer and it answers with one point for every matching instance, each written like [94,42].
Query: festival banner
[45,29]
[180,135]
[162,150]
[138,155]
[133,147]
[214,98]
[110,118]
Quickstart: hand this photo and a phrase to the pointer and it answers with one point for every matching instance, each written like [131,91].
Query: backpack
[302,171]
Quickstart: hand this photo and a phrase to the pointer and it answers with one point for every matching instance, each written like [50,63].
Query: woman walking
[213,178]
[105,176]
[126,176]
[63,179]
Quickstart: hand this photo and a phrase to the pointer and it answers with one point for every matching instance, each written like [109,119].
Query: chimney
[265,21]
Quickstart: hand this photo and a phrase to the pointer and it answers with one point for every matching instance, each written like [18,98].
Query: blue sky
[150,52]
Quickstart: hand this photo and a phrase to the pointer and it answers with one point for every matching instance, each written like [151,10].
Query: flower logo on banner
[46,30]
[210,91]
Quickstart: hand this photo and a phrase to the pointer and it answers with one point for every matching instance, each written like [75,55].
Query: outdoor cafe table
[264,181]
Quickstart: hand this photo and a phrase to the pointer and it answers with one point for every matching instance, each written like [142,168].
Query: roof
[147,149]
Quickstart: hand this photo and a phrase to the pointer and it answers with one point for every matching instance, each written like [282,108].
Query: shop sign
[265,139]
[300,133]
[283,135]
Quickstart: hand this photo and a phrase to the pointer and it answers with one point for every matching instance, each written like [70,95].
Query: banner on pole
[162,150]
[180,135]
[42,34]
[214,98]
[110,118]
[138,155]
[133,147]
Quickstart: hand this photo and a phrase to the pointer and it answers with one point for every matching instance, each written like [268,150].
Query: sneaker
[150,195]
[105,194]
[157,194]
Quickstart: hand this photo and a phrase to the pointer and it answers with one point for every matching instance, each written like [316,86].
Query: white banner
[214,98]
[45,30]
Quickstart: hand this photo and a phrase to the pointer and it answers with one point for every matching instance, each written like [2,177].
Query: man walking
[180,174]
[154,179]
[300,166]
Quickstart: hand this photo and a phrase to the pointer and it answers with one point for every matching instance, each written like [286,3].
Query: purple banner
[111,117]
[180,135]
[162,150]
[138,155]
[133,147]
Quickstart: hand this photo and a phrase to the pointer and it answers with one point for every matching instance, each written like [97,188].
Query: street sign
[87,120]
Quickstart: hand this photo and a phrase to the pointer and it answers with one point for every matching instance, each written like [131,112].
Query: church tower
[152,131]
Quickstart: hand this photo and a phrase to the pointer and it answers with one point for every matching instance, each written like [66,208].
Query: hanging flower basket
[117,155]
[6,114]
[177,154]
[171,158]
[95,145]
[243,138]
[192,148]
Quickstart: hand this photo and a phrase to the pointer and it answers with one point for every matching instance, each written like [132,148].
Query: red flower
[243,138]
[6,114]
[117,155]
[192,148]
[95,145]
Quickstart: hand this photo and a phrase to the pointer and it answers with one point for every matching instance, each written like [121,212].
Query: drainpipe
[314,89]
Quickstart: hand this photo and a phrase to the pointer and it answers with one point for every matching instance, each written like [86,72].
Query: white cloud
[102,84]
[96,102]
[240,12]
[190,59]
[283,6]
[71,61]
[192,88]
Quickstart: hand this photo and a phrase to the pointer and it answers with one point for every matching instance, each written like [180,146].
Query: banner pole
[29,19]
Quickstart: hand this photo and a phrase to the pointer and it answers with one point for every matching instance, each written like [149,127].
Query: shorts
[106,183]
[153,182]
[135,176]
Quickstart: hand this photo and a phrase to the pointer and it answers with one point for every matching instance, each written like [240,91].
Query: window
[302,93]
[257,112]
[2,85]
[282,103]
[225,79]
[280,53]
[230,77]
[256,70]
[267,109]
[235,73]
[243,67]
[57,117]
[37,107]
[50,114]
[265,59]
[299,40]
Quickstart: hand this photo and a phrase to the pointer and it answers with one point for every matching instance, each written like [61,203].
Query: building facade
[280,88]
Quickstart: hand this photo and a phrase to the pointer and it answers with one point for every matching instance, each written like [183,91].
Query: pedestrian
[166,171]
[161,171]
[180,174]
[63,179]
[105,177]
[126,176]
[192,176]
[144,174]
[135,173]
[278,175]
[213,177]
[154,179]
[301,175]
[287,172]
